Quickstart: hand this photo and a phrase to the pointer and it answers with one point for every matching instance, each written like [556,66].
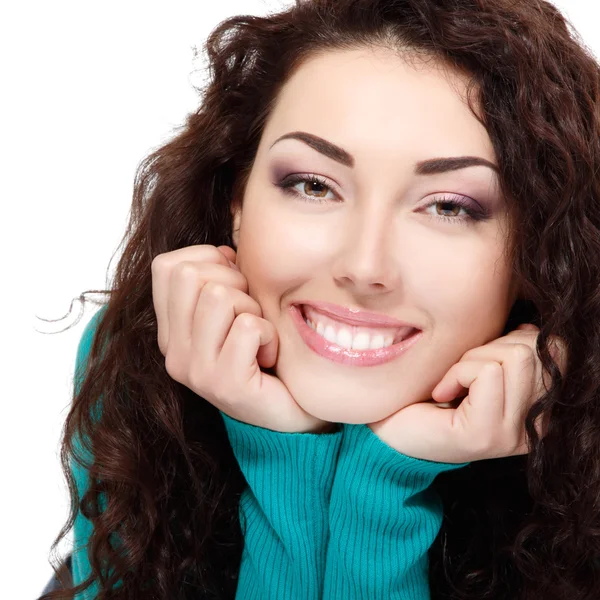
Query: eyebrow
[431,166]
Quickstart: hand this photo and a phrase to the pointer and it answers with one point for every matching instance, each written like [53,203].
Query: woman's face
[369,237]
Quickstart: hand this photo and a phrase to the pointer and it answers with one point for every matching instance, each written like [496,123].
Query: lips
[349,356]
[357,320]
[354,316]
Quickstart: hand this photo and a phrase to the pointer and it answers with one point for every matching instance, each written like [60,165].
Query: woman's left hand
[503,379]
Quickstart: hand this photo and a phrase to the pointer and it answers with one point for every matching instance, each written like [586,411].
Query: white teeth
[377,342]
[330,334]
[343,338]
[361,342]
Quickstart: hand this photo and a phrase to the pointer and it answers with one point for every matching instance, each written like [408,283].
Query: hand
[503,379]
[215,340]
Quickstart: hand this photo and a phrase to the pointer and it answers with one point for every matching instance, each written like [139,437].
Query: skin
[374,243]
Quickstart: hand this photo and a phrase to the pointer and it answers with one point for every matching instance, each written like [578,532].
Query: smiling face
[380,232]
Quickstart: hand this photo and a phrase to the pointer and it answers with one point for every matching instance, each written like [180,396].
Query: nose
[366,263]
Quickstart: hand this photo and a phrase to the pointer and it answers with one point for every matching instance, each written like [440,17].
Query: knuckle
[158,263]
[468,354]
[211,254]
[523,353]
[214,291]
[162,346]
[185,269]
[174,367]
[245,321]
[492,367]
[215,254]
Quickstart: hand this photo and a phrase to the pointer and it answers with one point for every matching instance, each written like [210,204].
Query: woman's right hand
[214,339]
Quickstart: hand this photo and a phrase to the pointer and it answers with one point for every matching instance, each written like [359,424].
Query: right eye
[310,181]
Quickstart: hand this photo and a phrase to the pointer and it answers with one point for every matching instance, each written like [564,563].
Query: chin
[357,413]
[339,401]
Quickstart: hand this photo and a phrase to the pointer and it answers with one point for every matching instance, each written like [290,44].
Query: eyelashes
[287,184]
[452,202]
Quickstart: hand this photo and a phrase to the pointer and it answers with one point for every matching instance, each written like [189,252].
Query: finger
[503,348]
[229,253]
[523,385]
[216,310]
[404,432]
[556,347]
[238,356]
[481,410]
[186,284]
[479,414]
[527,327]
[162,271]
[448,388]
[521,373]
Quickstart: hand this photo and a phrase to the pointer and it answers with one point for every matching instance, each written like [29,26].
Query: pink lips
[335,353]
[356,317]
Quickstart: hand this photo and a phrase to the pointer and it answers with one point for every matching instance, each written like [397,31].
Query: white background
[88,89]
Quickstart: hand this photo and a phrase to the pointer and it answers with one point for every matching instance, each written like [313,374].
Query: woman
[426,172]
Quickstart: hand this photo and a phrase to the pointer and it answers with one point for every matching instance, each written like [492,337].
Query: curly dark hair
[524,527]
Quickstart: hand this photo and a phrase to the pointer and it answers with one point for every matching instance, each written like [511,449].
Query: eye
[315,190]
[313,184]
[454,204]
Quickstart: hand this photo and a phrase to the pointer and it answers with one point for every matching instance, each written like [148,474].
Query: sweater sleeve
[283,510]
[383,517]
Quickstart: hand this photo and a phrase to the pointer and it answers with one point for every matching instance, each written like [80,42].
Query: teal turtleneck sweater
[325,516]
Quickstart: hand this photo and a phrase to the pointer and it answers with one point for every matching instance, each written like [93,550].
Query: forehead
[381,106]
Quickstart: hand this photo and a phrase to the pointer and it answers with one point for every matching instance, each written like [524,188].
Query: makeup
[345,356]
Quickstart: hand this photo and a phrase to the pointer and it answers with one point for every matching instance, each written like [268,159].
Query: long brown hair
[524,527]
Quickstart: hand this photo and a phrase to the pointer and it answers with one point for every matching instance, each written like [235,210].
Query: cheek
[275,243]
[464,288]
[272,256]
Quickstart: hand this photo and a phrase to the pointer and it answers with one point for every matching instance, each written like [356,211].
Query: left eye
[455,204]
[449,206]
[453,207]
